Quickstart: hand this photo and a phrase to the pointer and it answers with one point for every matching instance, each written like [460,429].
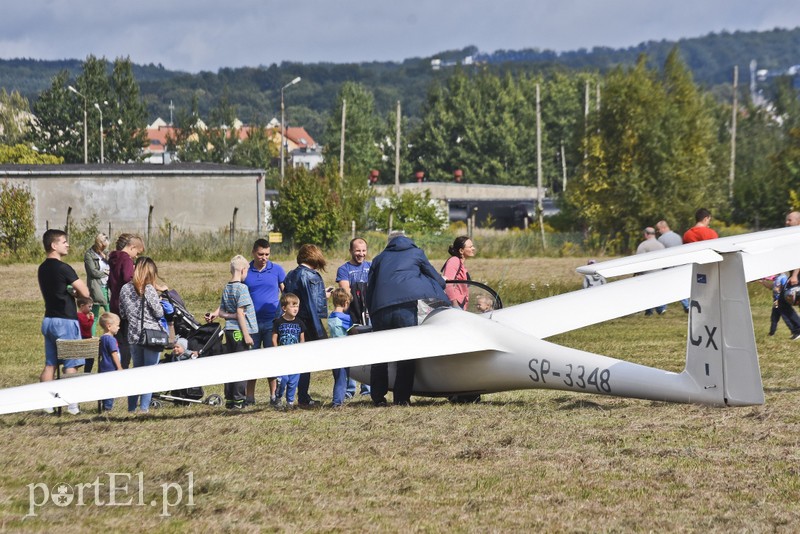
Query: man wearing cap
[651,244]
[669,239]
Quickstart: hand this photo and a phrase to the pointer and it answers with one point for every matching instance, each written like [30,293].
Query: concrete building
[192,197]
[505,206]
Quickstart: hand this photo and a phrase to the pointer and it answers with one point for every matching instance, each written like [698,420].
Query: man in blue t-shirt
[352,277]
[265,282]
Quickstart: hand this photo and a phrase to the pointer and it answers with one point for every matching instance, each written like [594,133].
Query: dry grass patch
[529,460]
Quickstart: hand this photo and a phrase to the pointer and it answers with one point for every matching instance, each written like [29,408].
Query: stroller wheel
[155,404]
[213,400]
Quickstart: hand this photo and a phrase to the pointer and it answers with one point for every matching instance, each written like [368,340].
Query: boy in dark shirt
[108,352]
[288,330]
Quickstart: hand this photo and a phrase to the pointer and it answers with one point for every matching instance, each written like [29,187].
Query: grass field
[527,460]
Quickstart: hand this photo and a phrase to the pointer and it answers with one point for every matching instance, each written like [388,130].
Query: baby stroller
[202,340]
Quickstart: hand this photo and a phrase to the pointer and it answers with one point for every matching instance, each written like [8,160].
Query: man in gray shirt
[651,244]
[669,239]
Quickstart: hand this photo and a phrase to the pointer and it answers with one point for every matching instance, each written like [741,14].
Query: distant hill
[254,91]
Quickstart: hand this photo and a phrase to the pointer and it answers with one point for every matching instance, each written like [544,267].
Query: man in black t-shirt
[60,313]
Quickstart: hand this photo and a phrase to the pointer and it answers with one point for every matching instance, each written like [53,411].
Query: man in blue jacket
[399,277]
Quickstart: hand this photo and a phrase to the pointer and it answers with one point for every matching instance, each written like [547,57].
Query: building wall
[191,202]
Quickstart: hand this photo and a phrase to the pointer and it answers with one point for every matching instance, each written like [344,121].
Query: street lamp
[102,154]
[296,80]
[85,127]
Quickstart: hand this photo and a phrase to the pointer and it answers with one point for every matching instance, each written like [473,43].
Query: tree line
[619,149]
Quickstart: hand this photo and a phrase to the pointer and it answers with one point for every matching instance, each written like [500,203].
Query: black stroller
[203,340]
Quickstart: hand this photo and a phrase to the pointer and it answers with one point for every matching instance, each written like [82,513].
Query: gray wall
[198,202]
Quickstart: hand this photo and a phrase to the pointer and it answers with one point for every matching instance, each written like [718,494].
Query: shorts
[54,328]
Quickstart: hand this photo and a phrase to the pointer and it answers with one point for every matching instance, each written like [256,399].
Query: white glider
[460,353]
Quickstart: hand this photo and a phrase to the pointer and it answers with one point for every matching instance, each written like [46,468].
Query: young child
[484,303]
[339,322]
[288,330]
[86,321]
[236,302]
[780,308]
[108,351]
[180,350]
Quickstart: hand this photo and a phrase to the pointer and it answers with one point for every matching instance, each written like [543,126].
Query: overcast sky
[194,35]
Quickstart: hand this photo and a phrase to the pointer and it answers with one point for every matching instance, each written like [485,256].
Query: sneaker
[348,396]
[309,404]
[250,402]
[795,336]
[73,409]
[274,401]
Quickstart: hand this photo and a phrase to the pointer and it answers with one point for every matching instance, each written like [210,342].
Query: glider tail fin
[721,355]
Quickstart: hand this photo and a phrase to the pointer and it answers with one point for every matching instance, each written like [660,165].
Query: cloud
[207,34]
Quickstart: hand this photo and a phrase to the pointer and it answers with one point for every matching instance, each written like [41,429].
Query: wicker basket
[72,349]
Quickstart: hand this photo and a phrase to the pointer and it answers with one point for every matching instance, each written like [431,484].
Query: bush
[16,217]
[411,212]
[309,209]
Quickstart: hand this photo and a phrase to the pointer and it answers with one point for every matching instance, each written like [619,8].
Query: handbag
[151,338]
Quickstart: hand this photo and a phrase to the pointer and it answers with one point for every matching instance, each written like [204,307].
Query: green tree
[16,216]
[57,128]
[410,211]
[14,112]
[94,85]
[759,194]
[22,154]
[127,117]
[481,124]
[361,153]
[649,155]
[386,143]
[59,125]
[255,150]
[307,210]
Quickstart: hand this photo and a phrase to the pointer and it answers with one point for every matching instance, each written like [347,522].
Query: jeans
[142,357]
[54,328]
[350,391]
[397,316]
[287,383]
[262,338]
[339,385]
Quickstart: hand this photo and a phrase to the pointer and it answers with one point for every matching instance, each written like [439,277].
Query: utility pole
[85,127]
[733,130]
[540,204]
[397,150]
[341,148]
[283,125]
[585,120]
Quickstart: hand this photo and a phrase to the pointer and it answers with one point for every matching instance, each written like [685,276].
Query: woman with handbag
[140,304]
